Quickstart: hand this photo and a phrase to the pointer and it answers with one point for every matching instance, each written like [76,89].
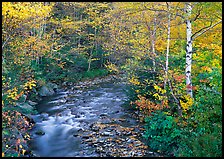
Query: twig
[208,28]
[177,101]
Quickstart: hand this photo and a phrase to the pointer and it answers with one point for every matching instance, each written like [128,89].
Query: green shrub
[162,133]
[206,145]
[95,73]
[202,137]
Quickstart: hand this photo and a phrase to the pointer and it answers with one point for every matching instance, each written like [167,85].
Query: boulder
[25,106]
[23,98]
[48,89]
[52,85]
[31,103]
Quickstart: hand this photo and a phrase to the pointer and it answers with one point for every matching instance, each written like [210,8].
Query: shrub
[95,73]
[202,136]
[162,133]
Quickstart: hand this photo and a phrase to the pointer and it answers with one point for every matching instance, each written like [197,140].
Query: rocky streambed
[88,122]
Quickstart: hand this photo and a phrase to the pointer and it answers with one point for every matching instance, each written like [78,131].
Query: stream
[90,122]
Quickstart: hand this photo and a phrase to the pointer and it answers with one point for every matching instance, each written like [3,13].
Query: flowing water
[64,117]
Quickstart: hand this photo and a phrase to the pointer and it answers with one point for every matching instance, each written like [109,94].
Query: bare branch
[201,29]
[175,98]
[197,34]
[3,45]
[196,17]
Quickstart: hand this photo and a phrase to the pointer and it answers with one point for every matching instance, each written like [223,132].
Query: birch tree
[168,45]
[188,50]
[191,37]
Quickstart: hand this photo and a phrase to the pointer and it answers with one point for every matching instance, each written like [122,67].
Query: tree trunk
[168,46]
[79,40]
[89,65]
[89,61]
[188,51]
[153,44]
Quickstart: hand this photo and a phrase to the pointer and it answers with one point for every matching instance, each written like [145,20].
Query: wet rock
[44,116]
[77,116]
[100,140]
[75,135]
[103,114]
[95,144]
[64,83]
[95,128]
[128,133]
[107,133]
[26,106]
[99,149]
[40,132]
[137,144]
[46,91]
[88,140]
[31,103]
[129,141]
[23,98]
[85,136]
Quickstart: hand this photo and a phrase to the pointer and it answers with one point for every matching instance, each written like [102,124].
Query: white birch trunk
[188,51]
[153,44]
[168,46]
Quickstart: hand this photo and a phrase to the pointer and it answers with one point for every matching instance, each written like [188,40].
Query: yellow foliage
[162,91]
[189,102]
[206,68]
[112,67]
[29,84]
[13,93]
[20,11]
[216,63]
[160,45]
[134,80]
[157,96]
[23,151]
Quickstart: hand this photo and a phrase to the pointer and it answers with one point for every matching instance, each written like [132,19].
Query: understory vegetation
[176,83]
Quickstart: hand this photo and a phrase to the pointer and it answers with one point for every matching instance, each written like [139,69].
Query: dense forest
[169,52]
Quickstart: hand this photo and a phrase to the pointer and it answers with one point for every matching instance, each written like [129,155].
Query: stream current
[66,118]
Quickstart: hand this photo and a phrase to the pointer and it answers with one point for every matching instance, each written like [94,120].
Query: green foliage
[146,77]
[202,137]
[162,133]
[206,145]
[197,134]
[72,76]
[95,73]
